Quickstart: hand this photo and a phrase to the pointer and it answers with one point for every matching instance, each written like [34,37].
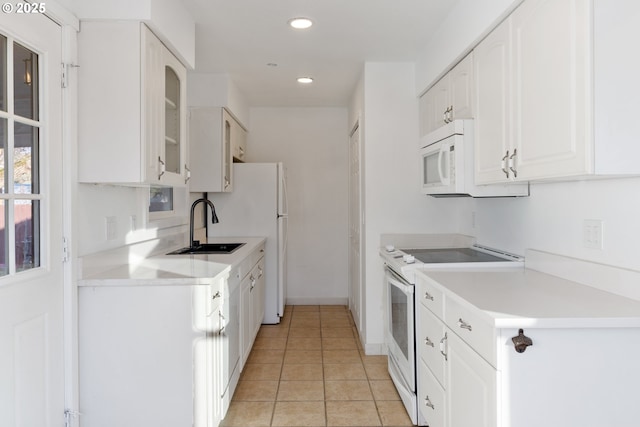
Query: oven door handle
[399,282]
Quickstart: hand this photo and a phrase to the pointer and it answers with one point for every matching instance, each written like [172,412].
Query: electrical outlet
[111,227]
[592,233]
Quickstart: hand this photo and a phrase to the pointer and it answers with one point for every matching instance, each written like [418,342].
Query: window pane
[4,255]
[25,159]
[27,223]
[160,199]
[3,73]
[3,158]
[25,82]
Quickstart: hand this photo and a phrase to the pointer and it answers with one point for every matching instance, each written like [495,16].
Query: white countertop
[521,298]
[168,270]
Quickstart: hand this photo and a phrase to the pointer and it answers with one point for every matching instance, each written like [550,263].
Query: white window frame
[10,196]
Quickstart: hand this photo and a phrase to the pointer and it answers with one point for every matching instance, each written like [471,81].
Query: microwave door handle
[443,150]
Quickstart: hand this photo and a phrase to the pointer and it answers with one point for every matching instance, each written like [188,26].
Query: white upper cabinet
[492,105]
[450,98]
[551,98]
[214,135]
[548,92]
[132,98]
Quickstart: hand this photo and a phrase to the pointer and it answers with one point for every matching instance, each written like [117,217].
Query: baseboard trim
[316,301]
[375,349]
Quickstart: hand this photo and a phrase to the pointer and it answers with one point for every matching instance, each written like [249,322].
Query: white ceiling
[240,37]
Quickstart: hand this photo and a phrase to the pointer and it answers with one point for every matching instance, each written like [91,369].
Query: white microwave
[447,165]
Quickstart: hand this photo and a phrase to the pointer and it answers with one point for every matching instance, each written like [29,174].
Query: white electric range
[400,268]
[405,261]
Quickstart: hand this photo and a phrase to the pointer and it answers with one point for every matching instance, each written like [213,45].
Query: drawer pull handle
[428,342]
[216,295]
[442,346]
[428,296]
[427,402]
[464,325]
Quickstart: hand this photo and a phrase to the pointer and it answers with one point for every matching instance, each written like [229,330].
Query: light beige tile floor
[311,371]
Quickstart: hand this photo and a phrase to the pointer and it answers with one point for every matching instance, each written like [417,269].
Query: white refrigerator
[257,207]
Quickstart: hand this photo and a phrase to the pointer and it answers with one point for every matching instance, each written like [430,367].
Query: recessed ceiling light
[300,23]
[305,80]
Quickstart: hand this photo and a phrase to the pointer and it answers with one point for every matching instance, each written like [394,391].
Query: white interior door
[31,274]
[355,214]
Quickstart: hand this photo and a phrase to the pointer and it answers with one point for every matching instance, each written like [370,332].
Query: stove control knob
[409,259]
[390,248]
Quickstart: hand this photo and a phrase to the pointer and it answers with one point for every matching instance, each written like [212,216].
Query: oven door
[401,339]
[400,325]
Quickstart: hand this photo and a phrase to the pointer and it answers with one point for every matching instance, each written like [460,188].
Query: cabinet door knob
[428,296]
[216,295]
[428,342]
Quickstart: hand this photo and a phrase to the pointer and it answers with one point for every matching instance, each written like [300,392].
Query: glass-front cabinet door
[172,164]
[172,140]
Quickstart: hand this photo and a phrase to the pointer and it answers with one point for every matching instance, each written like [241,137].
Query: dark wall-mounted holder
[521,342]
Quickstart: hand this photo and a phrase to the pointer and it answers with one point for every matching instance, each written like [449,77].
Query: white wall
[217,90]
[552,218]
[392,198]
[96,202]
[313,144]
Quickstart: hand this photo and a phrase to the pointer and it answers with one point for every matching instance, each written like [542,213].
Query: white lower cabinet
[252,304]
[581,375]
[471,386]
[229,342]
[456,386]
[149,355]
[167,355]
[431,398]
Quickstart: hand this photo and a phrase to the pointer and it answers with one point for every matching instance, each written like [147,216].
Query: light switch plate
[592,233]
[111,227]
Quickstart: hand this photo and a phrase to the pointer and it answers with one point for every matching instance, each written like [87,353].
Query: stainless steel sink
[208,248]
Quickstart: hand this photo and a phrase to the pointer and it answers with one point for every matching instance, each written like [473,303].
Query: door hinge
[65,250]
[64,83]
[70,414]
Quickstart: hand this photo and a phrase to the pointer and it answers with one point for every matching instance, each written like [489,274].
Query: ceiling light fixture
[305,80]
[300,23]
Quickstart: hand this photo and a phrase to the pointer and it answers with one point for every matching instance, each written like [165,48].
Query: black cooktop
[452,255]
